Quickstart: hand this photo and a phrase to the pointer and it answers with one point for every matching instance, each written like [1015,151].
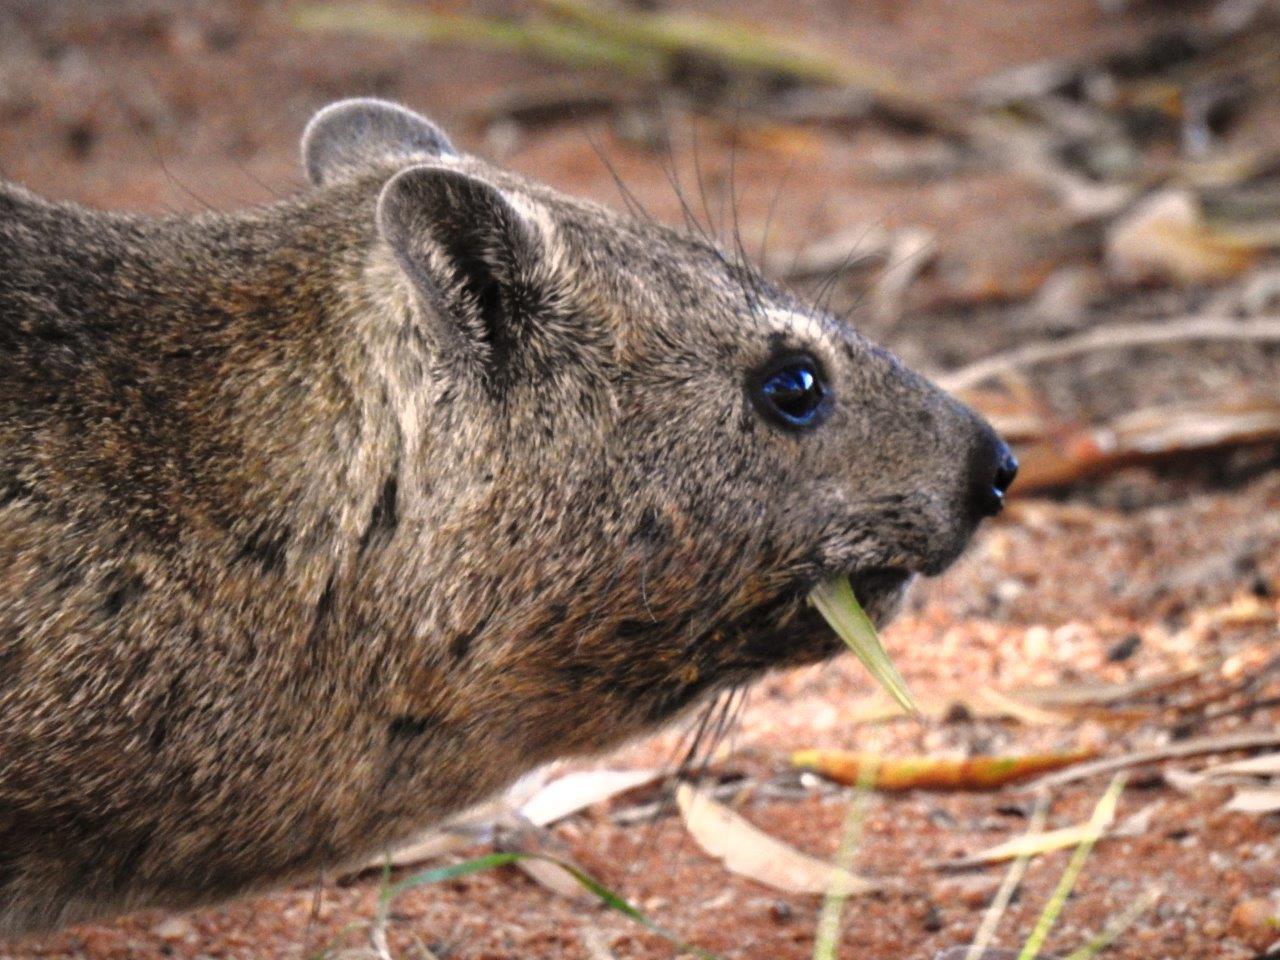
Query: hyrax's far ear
[350,135]
[472,256]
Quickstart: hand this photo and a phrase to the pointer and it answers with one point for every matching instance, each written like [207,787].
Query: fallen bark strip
[1113,337]
[1250,740]
[1071,453]
[1094,695]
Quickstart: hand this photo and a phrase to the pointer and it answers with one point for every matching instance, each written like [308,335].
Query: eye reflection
[794,392]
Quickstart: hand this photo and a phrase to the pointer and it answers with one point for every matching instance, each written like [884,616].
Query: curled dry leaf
[935,773]
[1067,453]
[750,852]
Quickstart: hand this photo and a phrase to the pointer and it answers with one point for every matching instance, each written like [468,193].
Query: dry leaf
[1268,764]
[548,803]
[1257,800]
[935,773]
[577,791]
[1067,452]
[1165,237]
[1027,846]
[1235,772]
[750,852]
[1251,796]
[475,826]
[518,835]
[557,879]
[1184,781]
[1138,822]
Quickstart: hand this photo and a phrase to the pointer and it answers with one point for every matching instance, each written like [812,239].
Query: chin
[881,592]
[792,633]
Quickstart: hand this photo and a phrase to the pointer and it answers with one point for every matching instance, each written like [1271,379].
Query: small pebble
[1125,649]
[1255,921]
[972,891]
[173,928]
[1256,914]
[932,919]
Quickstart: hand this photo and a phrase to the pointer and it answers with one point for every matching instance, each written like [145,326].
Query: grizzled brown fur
[321,521]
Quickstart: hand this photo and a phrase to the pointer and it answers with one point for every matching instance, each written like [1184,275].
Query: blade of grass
[325,952]
[1118,926]
[1103,814]
[835,600]
[493,861]
[1017,870]
[378,928]
[827,935]
[559,42]
[737,45]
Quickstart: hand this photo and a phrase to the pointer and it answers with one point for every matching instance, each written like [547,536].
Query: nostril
[993,469]
[1006,470]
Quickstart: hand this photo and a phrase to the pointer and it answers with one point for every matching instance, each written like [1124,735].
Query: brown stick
[1250,740]
[1115,337]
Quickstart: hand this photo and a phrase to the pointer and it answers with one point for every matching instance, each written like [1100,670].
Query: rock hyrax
[321,521]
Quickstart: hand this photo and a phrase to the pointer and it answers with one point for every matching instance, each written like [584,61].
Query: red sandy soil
[167,106]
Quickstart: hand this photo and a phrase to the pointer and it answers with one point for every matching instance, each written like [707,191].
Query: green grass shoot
[1103,814]
[835,600]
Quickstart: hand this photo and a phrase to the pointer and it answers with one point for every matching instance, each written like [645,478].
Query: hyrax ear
[472,257]
[351,135]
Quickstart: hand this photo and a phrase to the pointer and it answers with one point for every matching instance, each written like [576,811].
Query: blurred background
[1067,211]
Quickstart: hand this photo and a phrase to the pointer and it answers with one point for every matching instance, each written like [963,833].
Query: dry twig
[1114,337]
[1249,740]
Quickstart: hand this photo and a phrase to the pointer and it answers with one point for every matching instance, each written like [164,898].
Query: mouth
[875,586]
[843,602]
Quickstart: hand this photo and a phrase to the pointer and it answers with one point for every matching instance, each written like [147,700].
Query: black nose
[994,470]
[1006,470]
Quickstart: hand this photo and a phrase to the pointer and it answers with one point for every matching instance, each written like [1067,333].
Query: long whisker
[671,172]
[889,268]
[687,749]
[644,591]
[699,178]
[762,257]
[629,199]
[730,704]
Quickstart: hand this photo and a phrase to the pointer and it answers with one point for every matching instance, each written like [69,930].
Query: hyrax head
[647,454]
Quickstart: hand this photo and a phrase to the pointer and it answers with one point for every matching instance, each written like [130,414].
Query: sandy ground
[166,106]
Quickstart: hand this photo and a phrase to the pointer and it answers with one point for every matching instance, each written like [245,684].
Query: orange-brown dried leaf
[935,773]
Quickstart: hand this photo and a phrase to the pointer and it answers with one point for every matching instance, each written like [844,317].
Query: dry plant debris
[1084,246]
[934,773]
[750,852]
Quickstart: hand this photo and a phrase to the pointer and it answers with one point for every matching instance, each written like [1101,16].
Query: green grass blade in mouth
[835,600]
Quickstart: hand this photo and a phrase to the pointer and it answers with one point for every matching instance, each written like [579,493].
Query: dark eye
[792,392]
